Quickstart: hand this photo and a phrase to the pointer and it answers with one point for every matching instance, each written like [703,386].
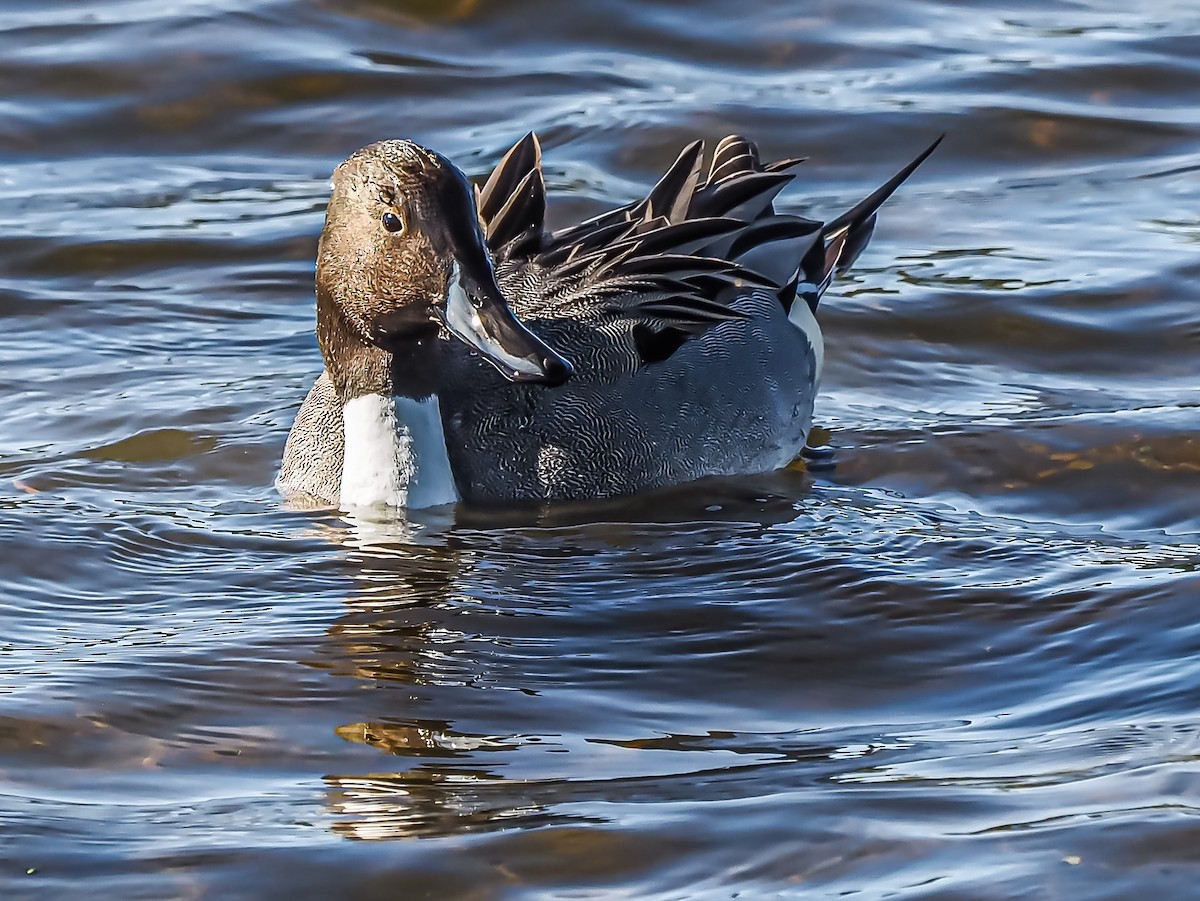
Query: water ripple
[958,663]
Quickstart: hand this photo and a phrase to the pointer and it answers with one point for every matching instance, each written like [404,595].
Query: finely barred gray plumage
[687,317]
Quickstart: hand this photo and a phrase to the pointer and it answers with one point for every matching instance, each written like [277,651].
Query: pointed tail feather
[859,221]
[844,238]
[866,208]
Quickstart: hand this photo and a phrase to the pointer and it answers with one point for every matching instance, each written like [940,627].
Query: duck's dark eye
[392,222]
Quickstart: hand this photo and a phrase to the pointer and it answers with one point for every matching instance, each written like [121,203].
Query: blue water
[963,664]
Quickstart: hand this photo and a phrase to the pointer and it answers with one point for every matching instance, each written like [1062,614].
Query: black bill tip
[556,371]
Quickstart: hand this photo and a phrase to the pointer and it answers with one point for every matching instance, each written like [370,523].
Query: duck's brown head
[402,255]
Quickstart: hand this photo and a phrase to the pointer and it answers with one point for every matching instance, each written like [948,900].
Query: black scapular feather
[670,262]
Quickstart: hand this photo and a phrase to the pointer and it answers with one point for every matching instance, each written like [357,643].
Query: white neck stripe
[395,454]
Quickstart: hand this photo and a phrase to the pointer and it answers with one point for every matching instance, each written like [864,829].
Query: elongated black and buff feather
[659,261]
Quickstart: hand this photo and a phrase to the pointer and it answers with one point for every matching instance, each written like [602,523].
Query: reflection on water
[957,663]
[469,645]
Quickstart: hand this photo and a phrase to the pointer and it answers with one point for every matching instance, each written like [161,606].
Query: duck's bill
[477,315]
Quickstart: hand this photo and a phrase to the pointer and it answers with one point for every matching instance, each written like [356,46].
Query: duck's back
[737,399]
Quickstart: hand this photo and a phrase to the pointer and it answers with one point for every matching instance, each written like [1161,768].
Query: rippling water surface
[963,664]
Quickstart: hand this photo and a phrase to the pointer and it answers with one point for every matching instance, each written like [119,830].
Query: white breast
[395,454]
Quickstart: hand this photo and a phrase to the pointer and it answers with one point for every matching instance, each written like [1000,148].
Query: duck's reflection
[444,611]
[403,628]
[435,797]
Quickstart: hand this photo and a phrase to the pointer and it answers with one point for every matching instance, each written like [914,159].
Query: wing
[673,262]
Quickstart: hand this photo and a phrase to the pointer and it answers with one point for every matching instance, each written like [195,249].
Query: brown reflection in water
[409,621]
[399,612]
[1068,464]
[422,738]
[419,803]
[1179,454]
[399,628]
[410,13]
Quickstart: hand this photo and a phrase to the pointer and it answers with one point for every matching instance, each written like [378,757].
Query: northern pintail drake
[472,355]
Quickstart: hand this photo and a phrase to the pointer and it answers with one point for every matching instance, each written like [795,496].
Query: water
[961,665]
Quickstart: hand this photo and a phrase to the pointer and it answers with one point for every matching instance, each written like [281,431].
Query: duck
[474,356]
